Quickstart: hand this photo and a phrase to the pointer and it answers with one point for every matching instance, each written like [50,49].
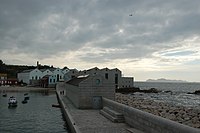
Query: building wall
[73,93]
[64,71]
[3,76]
[83,94]
[52,79]
[59,74]
[36,74]
[108,74]
[71,74]
[24,77]
[126,82]
[46,72]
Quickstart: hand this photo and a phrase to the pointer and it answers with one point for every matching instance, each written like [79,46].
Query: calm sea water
[37,116]
[177,96]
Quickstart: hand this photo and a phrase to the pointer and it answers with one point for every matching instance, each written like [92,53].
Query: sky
[145,39]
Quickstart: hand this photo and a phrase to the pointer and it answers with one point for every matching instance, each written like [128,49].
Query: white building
[27,76]
[33,76]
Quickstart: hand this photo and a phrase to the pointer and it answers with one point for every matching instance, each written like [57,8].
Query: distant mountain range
[164,80]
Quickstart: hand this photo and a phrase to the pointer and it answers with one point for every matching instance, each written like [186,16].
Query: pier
[90,120]
[89,107]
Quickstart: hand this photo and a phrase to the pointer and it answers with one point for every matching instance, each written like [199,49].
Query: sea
[36,116]
[172,93]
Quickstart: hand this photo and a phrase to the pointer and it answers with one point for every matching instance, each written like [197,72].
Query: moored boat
[12,102]
[4,95]
[24,101]
[26,96]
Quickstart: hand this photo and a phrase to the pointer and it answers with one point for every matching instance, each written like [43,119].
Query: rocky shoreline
[183,115]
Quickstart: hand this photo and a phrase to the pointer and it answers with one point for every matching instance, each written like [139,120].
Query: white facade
[46,72]
[59,74]
[27,75]
[33,75]
[36,74]
[24,76]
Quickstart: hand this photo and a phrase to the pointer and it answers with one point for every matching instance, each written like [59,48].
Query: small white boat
[12,102]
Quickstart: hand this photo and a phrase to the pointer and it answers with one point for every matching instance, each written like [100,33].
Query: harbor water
[172,93]
[36,116]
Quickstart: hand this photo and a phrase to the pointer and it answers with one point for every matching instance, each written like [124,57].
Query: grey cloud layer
[48,27]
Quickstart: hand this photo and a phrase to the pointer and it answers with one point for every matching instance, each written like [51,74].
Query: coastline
[188,116]
[24,89]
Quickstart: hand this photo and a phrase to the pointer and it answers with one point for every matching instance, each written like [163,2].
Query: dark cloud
[49,27]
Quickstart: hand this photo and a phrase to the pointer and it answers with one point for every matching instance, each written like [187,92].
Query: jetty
[90,120]
[90,107]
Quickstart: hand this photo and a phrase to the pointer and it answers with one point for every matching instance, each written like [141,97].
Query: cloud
[160,34]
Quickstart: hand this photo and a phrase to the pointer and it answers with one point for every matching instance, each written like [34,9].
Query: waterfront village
[89,102]
[47,78]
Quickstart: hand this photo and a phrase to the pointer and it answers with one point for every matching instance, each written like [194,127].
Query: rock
[152,90]
[196,92]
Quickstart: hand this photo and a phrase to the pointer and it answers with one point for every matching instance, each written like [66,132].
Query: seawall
[70,121]
[147,122]
[88,120]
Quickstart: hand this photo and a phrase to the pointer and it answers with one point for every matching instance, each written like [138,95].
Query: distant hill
[164,80]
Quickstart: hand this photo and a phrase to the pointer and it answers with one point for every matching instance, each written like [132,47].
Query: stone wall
[82,95]
[70,121]
[148,122]
[73,93]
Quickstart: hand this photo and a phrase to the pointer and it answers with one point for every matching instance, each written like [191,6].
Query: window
[57,77]
[97,81]
[50,80]
[106,75]
[116,78]
[36,77]
[32,77]
[54,80]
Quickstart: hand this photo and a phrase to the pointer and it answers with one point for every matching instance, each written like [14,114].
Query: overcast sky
[146,39]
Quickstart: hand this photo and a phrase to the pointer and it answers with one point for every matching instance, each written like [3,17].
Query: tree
[1,63]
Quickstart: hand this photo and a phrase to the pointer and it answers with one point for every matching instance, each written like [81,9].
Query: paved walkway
[91,121]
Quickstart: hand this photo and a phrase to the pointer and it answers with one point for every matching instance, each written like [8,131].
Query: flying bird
[130,14]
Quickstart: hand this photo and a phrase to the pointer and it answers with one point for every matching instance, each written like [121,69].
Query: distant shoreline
[24,89]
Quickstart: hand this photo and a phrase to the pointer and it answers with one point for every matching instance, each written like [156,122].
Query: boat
[26,96]
[12,102]
[4,95]
[24,101]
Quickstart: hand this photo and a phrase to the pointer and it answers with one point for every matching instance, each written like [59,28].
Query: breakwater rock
[183,115]
[135,89]
[196,92]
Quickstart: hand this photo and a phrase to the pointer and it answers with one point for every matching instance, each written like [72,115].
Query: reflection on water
[37,115]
